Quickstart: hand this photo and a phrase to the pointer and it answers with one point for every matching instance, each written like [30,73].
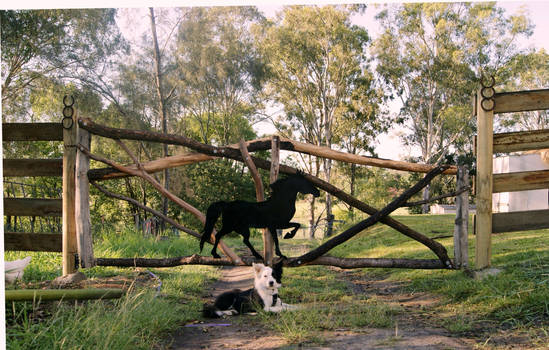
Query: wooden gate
[67,242]
[488,143]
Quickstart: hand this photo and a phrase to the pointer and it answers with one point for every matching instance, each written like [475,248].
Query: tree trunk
[425,207]
[162,110]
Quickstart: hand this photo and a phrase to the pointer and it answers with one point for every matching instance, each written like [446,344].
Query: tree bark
[162,109]
[232,153]
[352,231]
[344,263]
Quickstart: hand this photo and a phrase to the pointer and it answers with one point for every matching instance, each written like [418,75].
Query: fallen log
[344,263]
[62,294]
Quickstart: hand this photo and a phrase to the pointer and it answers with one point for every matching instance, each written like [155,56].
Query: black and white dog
[264,295]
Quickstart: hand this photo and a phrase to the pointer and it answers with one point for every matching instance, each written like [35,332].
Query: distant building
[449,209]
[521,200]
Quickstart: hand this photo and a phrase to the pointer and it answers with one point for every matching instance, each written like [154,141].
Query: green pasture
[517,299]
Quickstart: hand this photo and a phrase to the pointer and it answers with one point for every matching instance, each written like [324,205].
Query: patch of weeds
[306,325]
[459,324]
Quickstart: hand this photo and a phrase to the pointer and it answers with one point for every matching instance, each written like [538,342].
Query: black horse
[274,213]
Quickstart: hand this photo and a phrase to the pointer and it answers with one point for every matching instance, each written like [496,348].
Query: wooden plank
[485,129]
[82,202]
[521,181]
[32,131]
[521,141]
[69,222]
[268,243]
[521,101]
[32,167]
[32,207]
[520,221]
[36,242]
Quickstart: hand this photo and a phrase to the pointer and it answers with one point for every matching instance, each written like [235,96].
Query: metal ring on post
[488,104]
[65,100]
[492,83]
[488,93]
[68,112]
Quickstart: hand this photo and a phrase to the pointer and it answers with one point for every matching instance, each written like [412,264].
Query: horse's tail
[212,214]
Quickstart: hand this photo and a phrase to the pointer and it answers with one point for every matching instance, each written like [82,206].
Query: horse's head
[297,182]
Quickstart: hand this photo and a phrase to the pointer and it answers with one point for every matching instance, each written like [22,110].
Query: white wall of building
[520,200]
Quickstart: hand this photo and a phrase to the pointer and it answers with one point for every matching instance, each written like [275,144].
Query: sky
[389,144]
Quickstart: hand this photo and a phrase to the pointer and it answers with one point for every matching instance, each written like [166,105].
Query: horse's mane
[276,185]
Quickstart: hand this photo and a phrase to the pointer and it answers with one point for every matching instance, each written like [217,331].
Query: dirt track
[246,332]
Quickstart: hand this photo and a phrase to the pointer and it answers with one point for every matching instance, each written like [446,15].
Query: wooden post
[268,243]
[461,227]
[260,196]
[82,200]
[69,224]
[484,184]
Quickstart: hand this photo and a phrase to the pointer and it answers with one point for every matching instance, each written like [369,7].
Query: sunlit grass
[139,320]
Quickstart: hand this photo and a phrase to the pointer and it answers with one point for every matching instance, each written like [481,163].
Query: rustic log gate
[488,103]
[240,153]
[77,177]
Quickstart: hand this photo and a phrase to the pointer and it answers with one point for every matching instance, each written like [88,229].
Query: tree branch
[351,232]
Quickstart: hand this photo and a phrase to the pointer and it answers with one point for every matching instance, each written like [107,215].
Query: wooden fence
[487,183]
[69,207]
[76,243]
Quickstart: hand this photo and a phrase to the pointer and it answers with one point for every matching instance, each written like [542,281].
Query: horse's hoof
[216,256]
[288,235]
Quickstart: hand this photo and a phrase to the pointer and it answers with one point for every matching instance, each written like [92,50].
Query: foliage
[139,320]
[531,72]
[52,45]
[432,55]
[318,71]
[219,73]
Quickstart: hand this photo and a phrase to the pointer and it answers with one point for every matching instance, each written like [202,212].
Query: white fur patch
[266,287]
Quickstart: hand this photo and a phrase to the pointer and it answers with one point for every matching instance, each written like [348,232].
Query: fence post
[268,243]
[461,227]
[484,184]
[69,219]
[82,200]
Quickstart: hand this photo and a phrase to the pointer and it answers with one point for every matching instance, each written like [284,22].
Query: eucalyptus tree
[529,72]
[219,72]
[432,55]
[55,46]
[316,60]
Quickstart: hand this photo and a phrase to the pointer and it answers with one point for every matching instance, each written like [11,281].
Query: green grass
[139,320]
[517,299]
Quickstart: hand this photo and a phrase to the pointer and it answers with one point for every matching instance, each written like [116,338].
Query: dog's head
[264,279]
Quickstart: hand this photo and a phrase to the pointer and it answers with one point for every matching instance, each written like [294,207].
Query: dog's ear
[258,268]
[277,271]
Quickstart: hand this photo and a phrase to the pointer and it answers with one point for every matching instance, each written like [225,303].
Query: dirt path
[241,332]
[246,332]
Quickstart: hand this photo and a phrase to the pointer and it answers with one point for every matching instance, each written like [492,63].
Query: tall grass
[139,320]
